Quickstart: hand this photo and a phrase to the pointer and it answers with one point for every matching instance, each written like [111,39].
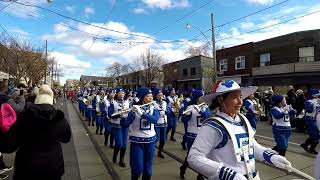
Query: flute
[130,109]
[188,110]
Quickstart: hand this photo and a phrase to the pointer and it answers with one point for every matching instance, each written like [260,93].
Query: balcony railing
[287,68]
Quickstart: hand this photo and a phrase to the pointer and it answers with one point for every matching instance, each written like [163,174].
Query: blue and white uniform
[142,138]
[281,127]
[161,125]
[183,107]
[226,146]
[250,112]
[172,119]
[99,118]
[312,106]
[118,131]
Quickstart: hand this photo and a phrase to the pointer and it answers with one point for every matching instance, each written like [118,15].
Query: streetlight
[189,26]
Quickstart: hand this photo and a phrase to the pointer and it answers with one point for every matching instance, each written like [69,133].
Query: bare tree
[113,72]
[22,60]
[151,64]
[203,50]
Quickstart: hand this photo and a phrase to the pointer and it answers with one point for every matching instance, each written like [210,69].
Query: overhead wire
[108,16]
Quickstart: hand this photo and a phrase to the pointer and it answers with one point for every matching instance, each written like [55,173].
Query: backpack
[7,117]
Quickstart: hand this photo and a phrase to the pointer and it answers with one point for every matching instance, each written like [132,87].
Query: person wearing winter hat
[281,126]
[193,119]
[225,147]
[99,121]
[31,98]
[312,106]
[119,131]
[183,106]
[172,100]
[161,125]
[39,131]
[142,135]
[251,113]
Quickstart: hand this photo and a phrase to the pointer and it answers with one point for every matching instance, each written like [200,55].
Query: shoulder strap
[214,123]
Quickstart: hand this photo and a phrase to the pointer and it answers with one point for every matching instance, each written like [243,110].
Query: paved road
[168,168]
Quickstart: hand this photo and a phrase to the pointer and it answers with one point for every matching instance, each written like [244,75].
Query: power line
[184,16]
[282,22]
[108,16]
[6,6]
[93,25]
[251,14]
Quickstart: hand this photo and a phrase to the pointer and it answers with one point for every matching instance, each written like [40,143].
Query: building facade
[236,63]
[292,59]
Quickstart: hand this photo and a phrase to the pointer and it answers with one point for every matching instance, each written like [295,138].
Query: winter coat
[299,104]
[39,131]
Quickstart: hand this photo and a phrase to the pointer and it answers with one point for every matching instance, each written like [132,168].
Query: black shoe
[172,139]
[160,155]
[305,147]
[111,147]
[101,133]
[313,151]
[183,146]
[122,164]
[182,173]
[97,131]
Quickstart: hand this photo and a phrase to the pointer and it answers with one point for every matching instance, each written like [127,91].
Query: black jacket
[39,131]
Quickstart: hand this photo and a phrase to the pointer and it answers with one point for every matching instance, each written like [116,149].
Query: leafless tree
[203,50]
[151,63]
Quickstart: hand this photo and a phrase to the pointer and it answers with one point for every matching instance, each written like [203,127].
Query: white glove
[280,162]
[197,107]
[138,110]
[239,177]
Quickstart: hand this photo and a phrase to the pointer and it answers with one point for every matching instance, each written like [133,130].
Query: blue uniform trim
[191,135]
[267,155]
[226,173]
[235,123]
[142,139]
[221,129]
[115,125]
[160,125]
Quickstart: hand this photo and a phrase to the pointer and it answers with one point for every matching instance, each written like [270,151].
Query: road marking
[265,137]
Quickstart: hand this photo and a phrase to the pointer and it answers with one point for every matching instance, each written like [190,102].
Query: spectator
[17,100]
[291,95]
[3,99]
[299,106]
[39,131]
[32,97]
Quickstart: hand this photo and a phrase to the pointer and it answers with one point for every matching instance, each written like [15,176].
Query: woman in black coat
[39,131]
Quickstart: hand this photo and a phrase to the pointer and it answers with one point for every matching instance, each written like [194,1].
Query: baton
[298,172]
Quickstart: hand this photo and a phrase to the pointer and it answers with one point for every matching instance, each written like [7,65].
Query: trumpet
[130,109]
[188,110]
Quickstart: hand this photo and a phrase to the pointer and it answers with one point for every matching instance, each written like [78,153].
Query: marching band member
[142,136]
[281,127]
[119,132]
[90,109]
[184,105]
[311,108]
[193,119]
[250,111]
[99,120]
[225,147]
[172,119]
[161,125]
[317,163]
[104,105]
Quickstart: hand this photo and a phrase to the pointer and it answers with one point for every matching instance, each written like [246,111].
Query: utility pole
[213,51]
[45,77]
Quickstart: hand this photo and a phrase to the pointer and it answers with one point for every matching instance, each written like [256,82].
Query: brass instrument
[176,106]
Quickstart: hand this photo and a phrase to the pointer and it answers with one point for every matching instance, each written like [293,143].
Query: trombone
[130,109]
